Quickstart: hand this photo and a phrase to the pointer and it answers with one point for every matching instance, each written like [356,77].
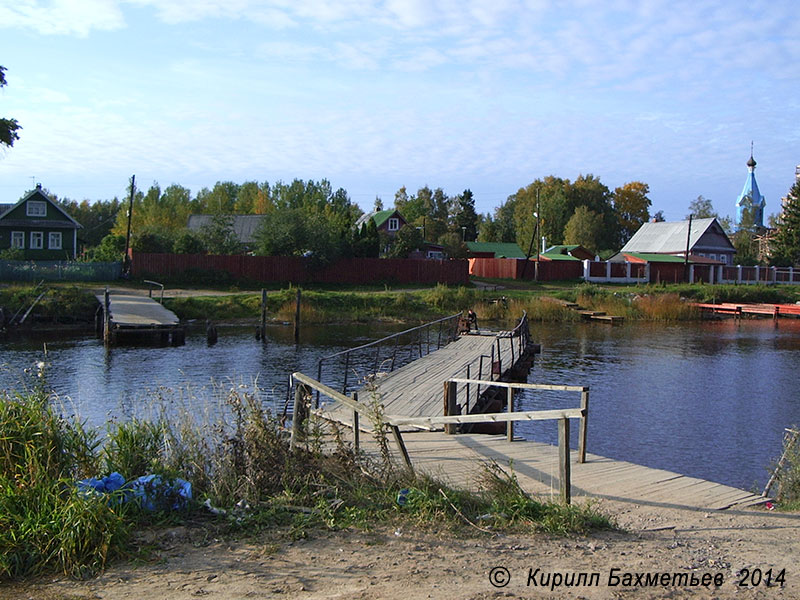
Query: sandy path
[402,564]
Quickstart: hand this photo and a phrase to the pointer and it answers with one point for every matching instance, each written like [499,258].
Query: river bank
[70,305]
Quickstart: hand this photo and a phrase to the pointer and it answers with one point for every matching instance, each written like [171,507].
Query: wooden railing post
[565,482]
[398,438]
[450,406]
[510,424]
[356,430]
[584,422]
[299,416]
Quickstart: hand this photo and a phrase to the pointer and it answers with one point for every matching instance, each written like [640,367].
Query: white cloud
[62,17]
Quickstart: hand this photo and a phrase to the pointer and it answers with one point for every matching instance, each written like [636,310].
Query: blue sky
[480,94]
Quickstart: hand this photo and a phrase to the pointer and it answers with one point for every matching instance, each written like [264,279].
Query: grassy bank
[241,464]
[69,303]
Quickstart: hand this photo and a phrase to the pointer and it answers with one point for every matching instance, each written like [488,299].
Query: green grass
[336,304]
[241,463]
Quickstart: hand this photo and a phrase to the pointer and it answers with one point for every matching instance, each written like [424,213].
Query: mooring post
[106,318]
[263,326]
[565,483]
[356,432]
[297,318]
[450,406]
[510,424]
[299,416]
[582,428]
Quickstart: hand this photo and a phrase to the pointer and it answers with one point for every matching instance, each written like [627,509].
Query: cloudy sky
[373,95]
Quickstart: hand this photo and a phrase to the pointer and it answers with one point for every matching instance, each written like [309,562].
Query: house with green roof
[389,221]
[38,227]
[566,252]
[494,250]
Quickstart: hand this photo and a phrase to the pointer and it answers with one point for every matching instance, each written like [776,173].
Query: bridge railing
[305,386]
[359,362]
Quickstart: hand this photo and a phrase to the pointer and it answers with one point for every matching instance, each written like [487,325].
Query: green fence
[53,270]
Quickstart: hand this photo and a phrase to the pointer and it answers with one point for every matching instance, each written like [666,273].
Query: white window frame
[394,224]
[18,239]
[54,240]
[36,208]
[36,240]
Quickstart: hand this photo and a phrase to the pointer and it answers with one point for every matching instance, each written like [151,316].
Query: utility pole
[536,266]
[126,261]
[533,241]
[686,256]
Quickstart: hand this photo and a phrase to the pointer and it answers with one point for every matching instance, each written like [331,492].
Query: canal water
[707,399]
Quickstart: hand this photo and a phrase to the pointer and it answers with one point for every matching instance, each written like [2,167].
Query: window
[37,239]
[54,240]
[394,224]
[18,239]
[36,208]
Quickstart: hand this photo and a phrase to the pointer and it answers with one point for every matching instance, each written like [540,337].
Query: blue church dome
[750,196]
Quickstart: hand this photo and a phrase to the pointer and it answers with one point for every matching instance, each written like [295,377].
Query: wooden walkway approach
[126,314]
[457,459]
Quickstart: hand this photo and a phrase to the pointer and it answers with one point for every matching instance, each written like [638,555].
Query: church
[750,204]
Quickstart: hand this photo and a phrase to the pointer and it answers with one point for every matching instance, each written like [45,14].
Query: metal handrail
[395,336]
[150,289]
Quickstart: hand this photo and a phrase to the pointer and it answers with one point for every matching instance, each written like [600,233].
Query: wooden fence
[295,269]
[516,268]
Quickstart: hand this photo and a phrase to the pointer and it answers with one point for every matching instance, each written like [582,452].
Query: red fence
[298,270]
[515,268]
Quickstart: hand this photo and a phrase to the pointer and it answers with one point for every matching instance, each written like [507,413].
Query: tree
[548,195]
[701,208]
[785,244]
[188,242]
[218,236]
[632,207]
[8,127]
[585,227]
[408,239]
[466,218]
[97,218]
[589,191]
[366,241]
[658,216]
[110,249]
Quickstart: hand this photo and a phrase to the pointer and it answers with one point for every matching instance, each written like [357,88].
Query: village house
[388,221]
[38,227]
[244,227]
[706,240]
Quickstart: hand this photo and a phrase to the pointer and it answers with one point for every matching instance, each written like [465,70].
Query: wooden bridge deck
[128,310]
[417,389]
[457,459]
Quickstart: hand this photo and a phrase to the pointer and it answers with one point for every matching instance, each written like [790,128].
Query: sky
[374,95]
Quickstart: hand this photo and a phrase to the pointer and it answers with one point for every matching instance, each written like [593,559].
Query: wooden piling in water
[262,328]
[106,318]
[297,318]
